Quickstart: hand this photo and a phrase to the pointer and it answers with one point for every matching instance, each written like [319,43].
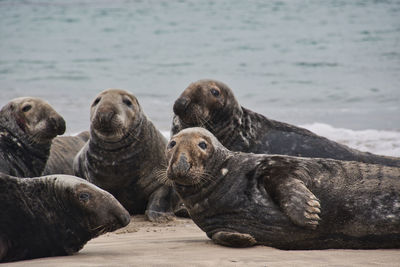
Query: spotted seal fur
[125,156]
[211,104]
[244,199]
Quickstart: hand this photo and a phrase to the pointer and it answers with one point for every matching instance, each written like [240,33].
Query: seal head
[112,122]
[206,103]
[27,127]
[53,215]
[32,119]
[188,162]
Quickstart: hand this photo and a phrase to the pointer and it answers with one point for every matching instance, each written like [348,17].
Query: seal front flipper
[296,201]
[233,239]
[159,207]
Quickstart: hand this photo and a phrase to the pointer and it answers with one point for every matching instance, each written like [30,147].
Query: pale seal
[125,156]
[53,215]
[211,104]
[243,199]
[27,128]
[62,153]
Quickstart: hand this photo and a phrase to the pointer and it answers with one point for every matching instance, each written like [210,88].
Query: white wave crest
[374,141]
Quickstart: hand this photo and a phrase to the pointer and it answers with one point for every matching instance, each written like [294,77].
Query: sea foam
[371,140]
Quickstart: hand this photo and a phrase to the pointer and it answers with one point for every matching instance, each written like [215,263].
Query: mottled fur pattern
[27,127]
[53,215]
[250,199]
[62,153]
[212,105]
[125,156]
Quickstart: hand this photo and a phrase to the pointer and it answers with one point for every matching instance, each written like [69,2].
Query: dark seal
[244,199]
[212,105]
[27,128]
[53,215]
[62,153]
[125,155]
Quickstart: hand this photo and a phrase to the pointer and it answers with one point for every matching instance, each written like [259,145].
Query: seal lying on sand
[212,105]
[53,215]
[125,155]
[243,199]
[27,127]
[62,153]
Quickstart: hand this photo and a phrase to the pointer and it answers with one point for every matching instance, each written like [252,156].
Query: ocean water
[331,66]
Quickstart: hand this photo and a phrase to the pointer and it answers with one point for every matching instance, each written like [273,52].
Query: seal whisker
[161,176]
[97,228]
[207,123]
[202,176]
[196,118]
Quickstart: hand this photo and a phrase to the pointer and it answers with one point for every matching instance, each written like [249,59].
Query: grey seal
[244,199]
[53,215]
[27,128]
[62,153]
[125,156]
[211,104]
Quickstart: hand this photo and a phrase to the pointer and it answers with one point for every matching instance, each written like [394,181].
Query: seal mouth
[195,115]
[179,179]
[108,127]
[120,221]
[51,129]
[55,126]
[188,177]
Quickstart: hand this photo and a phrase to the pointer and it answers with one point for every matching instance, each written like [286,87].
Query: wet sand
[182,243]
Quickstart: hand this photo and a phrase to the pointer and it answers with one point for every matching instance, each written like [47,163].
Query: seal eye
[96,101]
[171,144]
[214,92]
[84,196]
[203,145]
[26,108]
[127,102]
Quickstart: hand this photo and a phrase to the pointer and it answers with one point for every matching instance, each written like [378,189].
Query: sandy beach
[182,243]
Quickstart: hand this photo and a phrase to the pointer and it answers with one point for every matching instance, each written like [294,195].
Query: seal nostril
[181,105]
[62,126]
[182,165]
[58,124]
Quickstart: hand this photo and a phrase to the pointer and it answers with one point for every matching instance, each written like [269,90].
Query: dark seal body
[53,215]
[242,199]
[62,153]
[125,156]
[27,127]
[212,105]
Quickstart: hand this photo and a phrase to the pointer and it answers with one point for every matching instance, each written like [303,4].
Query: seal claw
[300,204]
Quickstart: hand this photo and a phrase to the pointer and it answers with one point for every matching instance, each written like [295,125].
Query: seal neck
[28,157]
[191,193]
[233,128]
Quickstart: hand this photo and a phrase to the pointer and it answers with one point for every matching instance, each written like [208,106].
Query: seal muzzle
[181,105]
